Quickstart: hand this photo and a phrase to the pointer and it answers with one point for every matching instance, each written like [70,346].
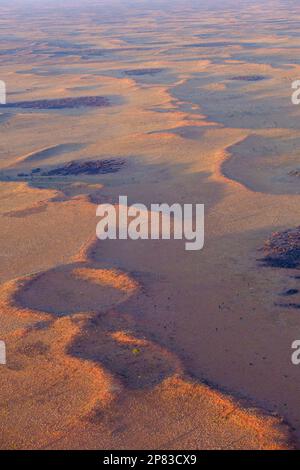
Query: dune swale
[89,167]
[62,103]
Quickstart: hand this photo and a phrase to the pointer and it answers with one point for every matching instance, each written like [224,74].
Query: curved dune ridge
[44,154]
[125,382]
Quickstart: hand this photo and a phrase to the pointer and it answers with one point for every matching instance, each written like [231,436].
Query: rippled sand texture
[141,344]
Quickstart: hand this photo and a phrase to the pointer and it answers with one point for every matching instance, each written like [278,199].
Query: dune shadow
[107,337]
[114,341]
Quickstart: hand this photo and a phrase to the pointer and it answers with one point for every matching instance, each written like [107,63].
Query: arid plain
[126,344]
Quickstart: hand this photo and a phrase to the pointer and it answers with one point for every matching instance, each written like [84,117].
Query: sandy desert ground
[141,344]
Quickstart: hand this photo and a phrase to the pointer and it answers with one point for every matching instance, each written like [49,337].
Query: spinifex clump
[89,167]
[282,249]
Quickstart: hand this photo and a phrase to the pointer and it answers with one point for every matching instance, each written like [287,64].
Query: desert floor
[142,344]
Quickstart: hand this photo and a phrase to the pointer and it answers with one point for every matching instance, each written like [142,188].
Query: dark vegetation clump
[141,72]
[62,103]
[249,78]
[282,250]
[294,173]
[290,292]
[89,167]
